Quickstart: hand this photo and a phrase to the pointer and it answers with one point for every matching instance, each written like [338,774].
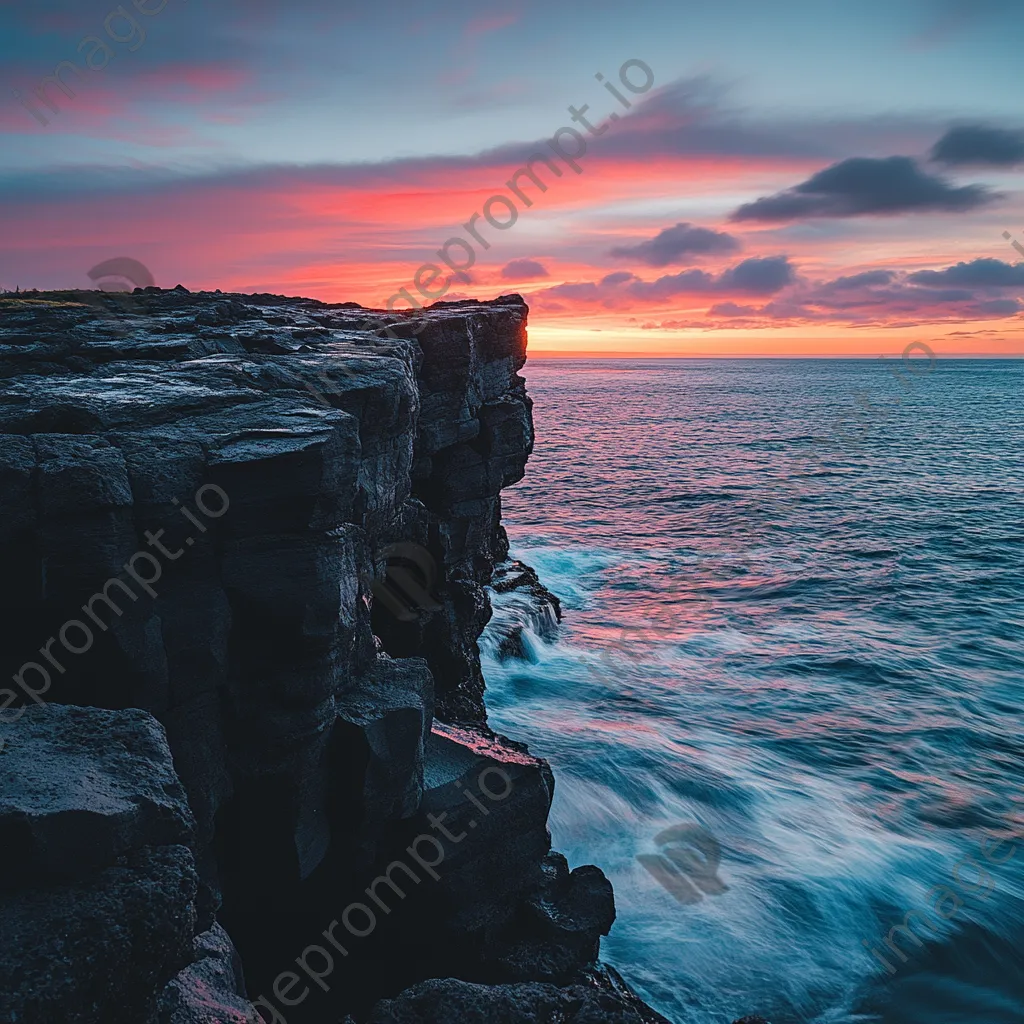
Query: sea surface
[792,633]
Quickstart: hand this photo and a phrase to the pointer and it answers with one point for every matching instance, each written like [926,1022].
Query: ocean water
[792,632]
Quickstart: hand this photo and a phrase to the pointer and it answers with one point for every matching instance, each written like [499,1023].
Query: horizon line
[598,354]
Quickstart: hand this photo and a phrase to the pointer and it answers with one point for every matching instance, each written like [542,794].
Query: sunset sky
[810,177]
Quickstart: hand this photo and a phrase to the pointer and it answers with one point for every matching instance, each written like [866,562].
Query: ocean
[785,703]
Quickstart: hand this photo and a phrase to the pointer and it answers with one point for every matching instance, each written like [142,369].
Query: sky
[745,177]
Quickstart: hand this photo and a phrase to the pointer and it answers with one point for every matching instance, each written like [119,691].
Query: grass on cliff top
[65,298]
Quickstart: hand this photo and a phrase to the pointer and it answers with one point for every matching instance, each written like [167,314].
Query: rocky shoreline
[245,756]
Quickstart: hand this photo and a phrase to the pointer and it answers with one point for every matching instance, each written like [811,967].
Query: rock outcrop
[247,545]
[597,995]
[211,990]
[98,889]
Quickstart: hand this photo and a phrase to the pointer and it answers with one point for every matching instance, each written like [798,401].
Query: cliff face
[270,531]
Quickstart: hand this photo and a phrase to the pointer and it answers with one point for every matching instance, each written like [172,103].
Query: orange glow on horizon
[974,341]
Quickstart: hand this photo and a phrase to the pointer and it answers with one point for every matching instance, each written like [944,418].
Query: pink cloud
[485,23]
[106,106]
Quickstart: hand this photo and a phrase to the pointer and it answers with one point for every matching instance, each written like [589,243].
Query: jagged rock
[483,879]
[514,575]
[392,712]
[558,928]
[527,606]
[211,990]
[598,997]
[513,644]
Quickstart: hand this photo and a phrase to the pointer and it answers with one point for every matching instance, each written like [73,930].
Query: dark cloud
[863,186]
[882,298]
[877,298]
[682,118]
[677,244]
[757,276]
[980,144]
[960,293]
[760,275]
[732,309]
[523,270]
[583,291]
[689,282]
[865,280]
[1001,307]
[983,273]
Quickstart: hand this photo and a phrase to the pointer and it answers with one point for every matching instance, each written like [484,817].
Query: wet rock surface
[528,607]
[248,542]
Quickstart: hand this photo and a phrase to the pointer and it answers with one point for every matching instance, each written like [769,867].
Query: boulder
[211,990]
[80,788]
[97,876]
[598,996]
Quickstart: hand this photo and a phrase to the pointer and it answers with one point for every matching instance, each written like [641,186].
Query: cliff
[245,757]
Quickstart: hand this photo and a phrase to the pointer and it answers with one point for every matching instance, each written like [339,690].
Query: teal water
[793,624]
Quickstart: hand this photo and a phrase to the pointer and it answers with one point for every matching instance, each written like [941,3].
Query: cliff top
[43,331]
